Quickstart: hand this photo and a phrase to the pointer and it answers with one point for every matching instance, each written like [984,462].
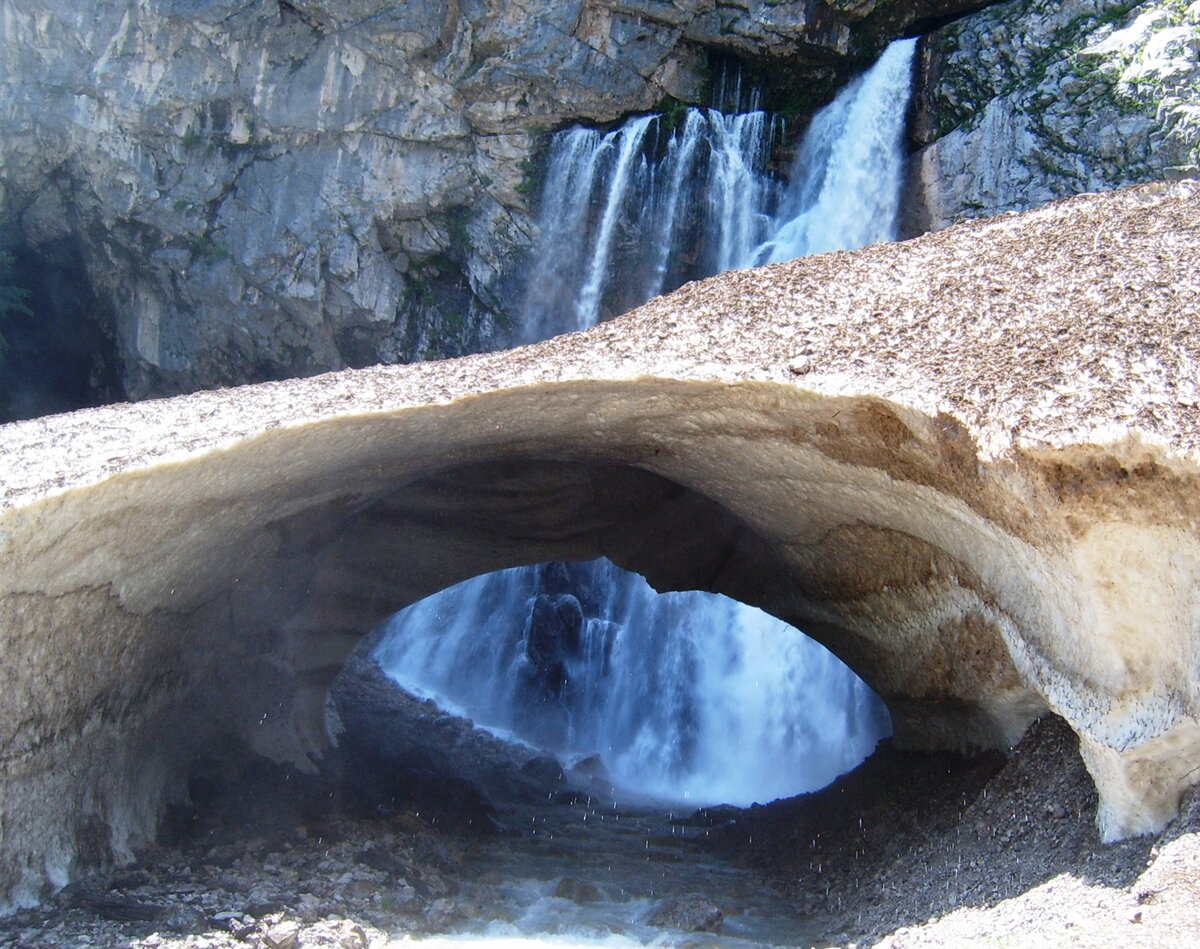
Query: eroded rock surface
[966,463]
[270,189]
[1033,100]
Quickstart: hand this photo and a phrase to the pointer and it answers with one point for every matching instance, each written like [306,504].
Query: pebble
[282,936]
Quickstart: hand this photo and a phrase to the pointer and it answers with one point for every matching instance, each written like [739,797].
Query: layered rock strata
[966,463]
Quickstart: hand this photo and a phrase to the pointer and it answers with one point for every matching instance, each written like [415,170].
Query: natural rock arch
[831,439]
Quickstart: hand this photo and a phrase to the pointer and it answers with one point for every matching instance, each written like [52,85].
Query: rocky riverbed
[908,850]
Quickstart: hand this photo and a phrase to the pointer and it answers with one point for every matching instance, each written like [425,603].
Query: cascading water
[684,696]
[848,171]
[608,208]
[707,202]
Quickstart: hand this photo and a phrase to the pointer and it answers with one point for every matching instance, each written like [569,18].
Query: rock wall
[968,463]
[1034,100]
[270,189]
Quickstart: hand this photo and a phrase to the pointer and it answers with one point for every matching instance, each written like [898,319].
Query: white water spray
[685,697]
[848,171]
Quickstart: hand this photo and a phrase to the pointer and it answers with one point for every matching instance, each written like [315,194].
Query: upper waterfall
[634,212]
[845,182]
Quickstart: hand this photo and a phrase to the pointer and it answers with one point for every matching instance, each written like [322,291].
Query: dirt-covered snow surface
[909,850]
[928,850]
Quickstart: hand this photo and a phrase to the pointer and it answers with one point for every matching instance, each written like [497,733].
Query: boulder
[693,914]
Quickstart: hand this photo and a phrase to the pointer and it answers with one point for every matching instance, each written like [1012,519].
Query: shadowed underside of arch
[831,440]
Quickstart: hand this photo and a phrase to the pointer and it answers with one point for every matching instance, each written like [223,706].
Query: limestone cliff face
[1034,100]
[268,189]
[968,463]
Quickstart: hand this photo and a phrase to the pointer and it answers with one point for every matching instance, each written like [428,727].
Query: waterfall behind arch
[685,696]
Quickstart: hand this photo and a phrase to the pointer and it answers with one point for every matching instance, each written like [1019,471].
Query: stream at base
[591,873]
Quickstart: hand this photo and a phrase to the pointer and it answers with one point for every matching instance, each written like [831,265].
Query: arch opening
[687,698]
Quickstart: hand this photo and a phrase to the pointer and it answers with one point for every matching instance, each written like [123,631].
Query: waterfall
[609,207]
[665,199]
[684,696]
[848,171]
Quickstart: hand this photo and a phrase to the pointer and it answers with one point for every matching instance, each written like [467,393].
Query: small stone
[356,938]
[441,914]
[282,935]
[690,914]
[309,908]
[577,891]
[403,899]
[226,915]
[358,890]
[183,919]
[800,366]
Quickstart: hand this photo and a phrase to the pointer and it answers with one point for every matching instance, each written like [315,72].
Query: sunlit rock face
[268,189]
[966,463]
[1033,100]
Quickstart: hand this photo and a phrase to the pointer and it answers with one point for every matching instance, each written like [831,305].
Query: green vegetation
[531,181]
[204,248]
[673,112]
[457,220]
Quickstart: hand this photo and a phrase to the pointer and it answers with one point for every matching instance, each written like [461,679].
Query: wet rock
[544,770]
[402,899]
[379,859]
[441,914]
[309,908]
[693,914]
[552,637]
[1027,101]
[578,891]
